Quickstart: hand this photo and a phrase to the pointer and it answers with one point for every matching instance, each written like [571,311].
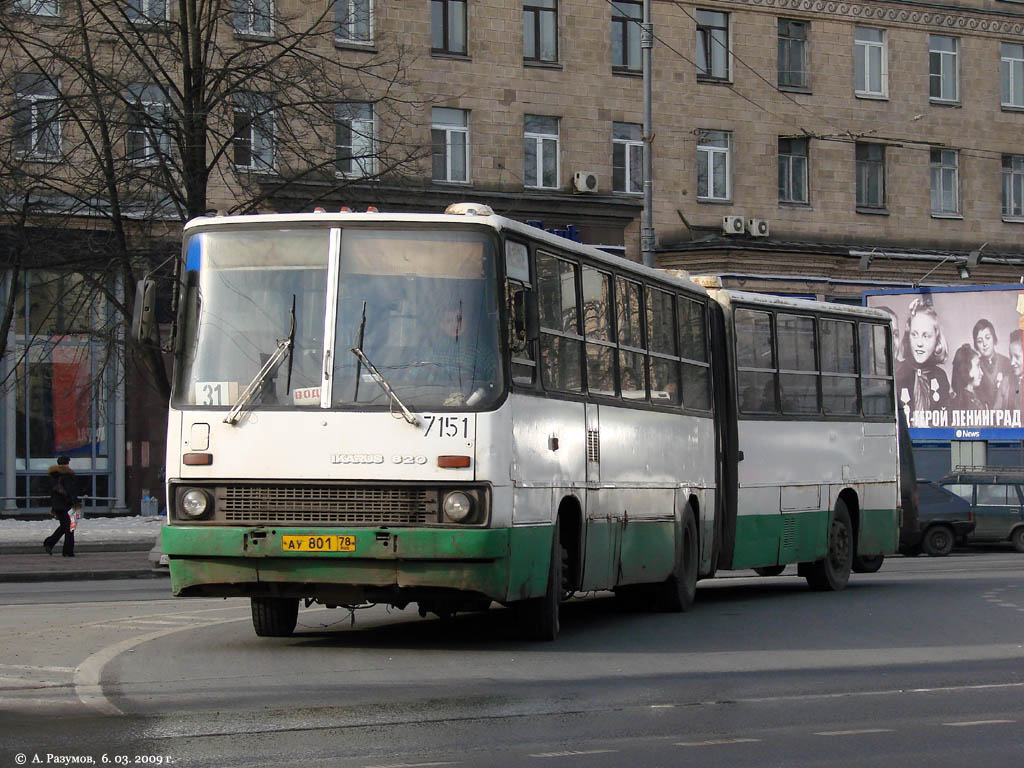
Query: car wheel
[1017,538]
[867,563]
[938,541]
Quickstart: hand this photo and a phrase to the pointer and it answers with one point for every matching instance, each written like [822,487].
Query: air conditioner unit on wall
[584,182]
[757,227]
[732,225]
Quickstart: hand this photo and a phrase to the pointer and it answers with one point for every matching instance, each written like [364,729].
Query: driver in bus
[464,358]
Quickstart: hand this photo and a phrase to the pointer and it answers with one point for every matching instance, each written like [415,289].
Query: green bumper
[502,564]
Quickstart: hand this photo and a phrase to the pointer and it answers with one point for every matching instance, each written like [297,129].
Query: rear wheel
[274,616]
[538,617]
[1017,538]
[867,563]
[770,570]
[938,541]
[833,573]
[679,590]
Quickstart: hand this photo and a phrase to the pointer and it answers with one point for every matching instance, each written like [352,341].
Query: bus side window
[522,332]
[755,361]
[876,369]
[558,313]
[694,351]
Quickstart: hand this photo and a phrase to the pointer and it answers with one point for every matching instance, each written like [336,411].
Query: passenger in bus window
[1009,395]
[994,366]
[967,377]
[921,385]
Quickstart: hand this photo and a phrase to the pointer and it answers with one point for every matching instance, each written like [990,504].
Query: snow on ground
[100,529]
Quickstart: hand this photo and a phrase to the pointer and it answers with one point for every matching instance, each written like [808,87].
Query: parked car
[943,519]
[996,497]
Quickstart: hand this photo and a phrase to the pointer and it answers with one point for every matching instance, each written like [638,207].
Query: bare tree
[126,119]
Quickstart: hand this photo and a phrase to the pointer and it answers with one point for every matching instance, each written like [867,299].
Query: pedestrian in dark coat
[62,485]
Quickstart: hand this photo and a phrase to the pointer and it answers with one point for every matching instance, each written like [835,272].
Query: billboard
[958,359]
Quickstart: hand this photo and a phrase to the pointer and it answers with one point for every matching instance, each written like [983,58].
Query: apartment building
[802,147]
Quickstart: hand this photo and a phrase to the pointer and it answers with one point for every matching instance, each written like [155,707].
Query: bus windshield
[419,303]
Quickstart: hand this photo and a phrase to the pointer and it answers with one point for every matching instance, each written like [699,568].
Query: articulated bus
[459,409]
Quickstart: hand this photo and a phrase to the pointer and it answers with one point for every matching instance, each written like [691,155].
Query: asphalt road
[919,664]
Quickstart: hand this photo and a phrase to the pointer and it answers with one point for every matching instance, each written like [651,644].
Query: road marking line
[574,753]
[32,668]
[854,733]
[978,722]
[409,765]
[663,706]
[714,742]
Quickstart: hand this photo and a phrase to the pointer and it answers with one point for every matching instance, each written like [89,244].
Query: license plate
[330,543]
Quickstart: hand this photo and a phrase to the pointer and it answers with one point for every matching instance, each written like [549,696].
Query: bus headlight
[457,506]
[195,502]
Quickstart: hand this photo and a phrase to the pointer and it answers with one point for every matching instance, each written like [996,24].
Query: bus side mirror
[144,326]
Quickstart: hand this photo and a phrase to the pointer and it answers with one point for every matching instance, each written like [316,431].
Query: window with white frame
[627,157]
[713,161]
[37,128]
[254,17]
[793,170]
[540,152]
[147,137]
[354,151]
[870,171]
[150,11]
[626,18]
[945,173]
[254,132]
[540,30]
[448,26]
[792,53]
[943,68]
[871,69]
[712,45]
[449,135]
[1013,186]
[353,21]
[38,7]
[1012,71]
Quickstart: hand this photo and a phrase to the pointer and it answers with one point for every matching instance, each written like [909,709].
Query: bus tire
[867,563]
[938,541]
[770,570]
[677,593]
[833,573]
[274,616]
[538,617]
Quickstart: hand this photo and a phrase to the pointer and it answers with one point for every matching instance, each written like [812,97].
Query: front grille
[327,505]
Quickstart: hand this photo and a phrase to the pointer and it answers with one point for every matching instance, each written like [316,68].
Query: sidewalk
[114,548]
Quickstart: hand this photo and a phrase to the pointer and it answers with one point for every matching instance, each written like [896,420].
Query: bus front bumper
[394,564]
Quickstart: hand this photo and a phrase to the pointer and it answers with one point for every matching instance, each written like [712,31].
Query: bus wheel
[867,563]
[678,591]
[770,570]
[832,573]
[538,617]
[274,616]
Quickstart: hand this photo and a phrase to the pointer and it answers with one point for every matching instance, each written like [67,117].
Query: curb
[80,546]
[36,576]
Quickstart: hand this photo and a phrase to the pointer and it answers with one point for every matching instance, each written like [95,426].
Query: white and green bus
[459,409]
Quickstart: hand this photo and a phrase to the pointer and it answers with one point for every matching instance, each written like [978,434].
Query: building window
[449,133]
[147,137]
[37,128]
[713,165]
[254,17]
[871,68]
[254,132]
[626,18]
[870,175]
[627,157]
[793,170]
[943,68]
[1012,68]
[448,26]
[540,152]
[945,172]
[712,45]
[1013,186]
[353,21]
[38,7]
[540,30]
[354,153]
[792,53]
[150,11]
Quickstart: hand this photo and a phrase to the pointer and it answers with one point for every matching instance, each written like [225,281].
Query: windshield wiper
[406,413]
[284,347]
